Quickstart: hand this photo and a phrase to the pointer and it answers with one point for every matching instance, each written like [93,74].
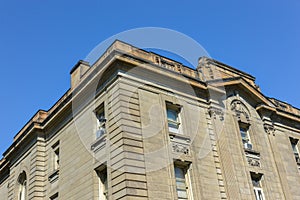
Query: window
[101,120]
[173,117]
[244,131]
[54,197]
[294,143]
[182,182]
[55,163]
[103,184]
[56,157]
[22,180]
[256,182]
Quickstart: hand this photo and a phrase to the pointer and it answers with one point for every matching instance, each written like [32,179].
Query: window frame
[294,144]
[22,191]
[256,193]
[257,177]
[247,143]
[185,167]
[102,179]
[174,126]
[56,156]
[101,121]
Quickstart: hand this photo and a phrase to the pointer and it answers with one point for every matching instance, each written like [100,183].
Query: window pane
[172,115]
[180,184]
[182,194]
[173,125]
[179,173]
[244,135]
[100,132]
[294,146]
[103,184]
[260,195]
[255,183]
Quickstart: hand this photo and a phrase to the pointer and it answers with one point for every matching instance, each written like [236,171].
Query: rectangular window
[256,182]
[102,183]
[101,121]
[294,143]
[173,117]
[56,156]
[182,182]
[54,197]
[244,131]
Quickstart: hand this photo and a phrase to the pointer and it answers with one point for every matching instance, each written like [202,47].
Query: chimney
[78,71]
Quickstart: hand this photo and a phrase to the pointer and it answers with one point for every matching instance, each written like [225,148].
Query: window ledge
[53,176]
[251,151]
[179,136]
[99,143]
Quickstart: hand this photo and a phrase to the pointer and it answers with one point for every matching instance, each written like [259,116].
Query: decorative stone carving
[206,70]
[253,158]
[270,129]
[214,112]
[180,148]
[241,111]
[253,162]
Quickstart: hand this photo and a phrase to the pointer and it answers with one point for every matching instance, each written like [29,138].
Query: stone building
[137,125]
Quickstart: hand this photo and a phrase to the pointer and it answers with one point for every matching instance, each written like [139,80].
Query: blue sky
[40,41]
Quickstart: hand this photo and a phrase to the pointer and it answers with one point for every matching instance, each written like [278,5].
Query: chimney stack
[78,71]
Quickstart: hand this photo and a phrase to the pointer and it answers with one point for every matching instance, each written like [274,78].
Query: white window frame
[256,192]
[185,167]
[177,123]
[257,189]
[245,127]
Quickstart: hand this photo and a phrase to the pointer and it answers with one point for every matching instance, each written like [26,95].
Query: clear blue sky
[40,41]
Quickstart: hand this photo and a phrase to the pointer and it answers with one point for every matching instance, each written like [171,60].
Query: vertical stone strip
[37,176]
[214,117]
[127,166]
[270,130]
[11,185]
[158,161]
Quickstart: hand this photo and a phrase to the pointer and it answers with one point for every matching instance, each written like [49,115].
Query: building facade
[137,125]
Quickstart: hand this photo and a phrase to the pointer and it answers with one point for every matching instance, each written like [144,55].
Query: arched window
[22,181]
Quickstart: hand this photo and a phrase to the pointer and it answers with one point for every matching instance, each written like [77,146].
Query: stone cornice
[274,113]
[120,51]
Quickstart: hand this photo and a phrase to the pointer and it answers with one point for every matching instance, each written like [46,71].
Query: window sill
[251,151]
[53,176]
[99,143]
[179,136]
